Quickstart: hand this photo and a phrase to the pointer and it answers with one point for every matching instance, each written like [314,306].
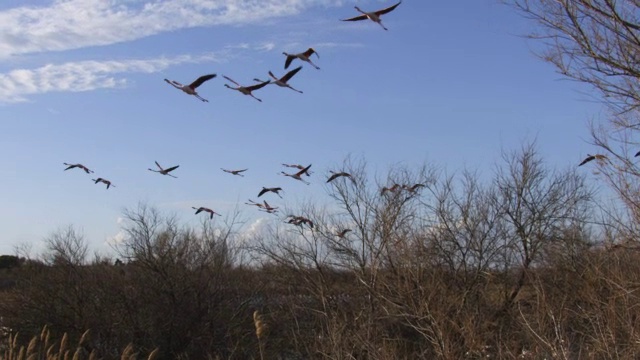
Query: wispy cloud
[73,24]
[85,75]
[116,239]
[339,45]
[266,46]
[255,228]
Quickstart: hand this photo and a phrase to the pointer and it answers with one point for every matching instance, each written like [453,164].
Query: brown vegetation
[510,267]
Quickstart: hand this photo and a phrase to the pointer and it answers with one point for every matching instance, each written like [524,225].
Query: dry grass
[41,347]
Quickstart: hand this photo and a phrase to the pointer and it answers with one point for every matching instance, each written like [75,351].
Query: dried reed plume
[261,329]
[41,347]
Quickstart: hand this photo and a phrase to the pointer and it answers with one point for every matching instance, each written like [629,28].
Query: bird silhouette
[165,171]
[191,88]
[373,15]
[589,158]
[105,181]
[202,208]
[304,56]
[79,166]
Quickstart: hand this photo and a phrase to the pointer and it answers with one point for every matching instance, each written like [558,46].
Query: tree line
[526,262]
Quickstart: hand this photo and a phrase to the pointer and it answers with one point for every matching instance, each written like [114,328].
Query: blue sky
[451,83]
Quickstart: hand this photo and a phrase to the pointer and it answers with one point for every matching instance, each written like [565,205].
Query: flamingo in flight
[253,203]
[598,157]
[373,15]
[298,175]
[305,56]
[95,181]
[165,171]
[202,208]
[234,172]
[275,190]
[413,188]
[342,233]
[299,167]
[246,89]
[336,175]
[191,88]
[79,166]
[282,82]
[268,208]
[393,188]
[299,220]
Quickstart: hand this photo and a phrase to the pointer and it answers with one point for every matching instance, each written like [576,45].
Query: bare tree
[66,246]
[538,207]
[597,42]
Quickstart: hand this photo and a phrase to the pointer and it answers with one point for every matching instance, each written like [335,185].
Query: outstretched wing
[258,86]
[199,81]
[290,74]
[288,61]
[231,80]
[389,9]
[262,192]
[158,165]
[589,158]
[356,18]
[303,170]
[172,168]
[333,177]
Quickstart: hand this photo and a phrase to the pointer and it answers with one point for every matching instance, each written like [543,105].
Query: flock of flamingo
[283,81]
[248,90]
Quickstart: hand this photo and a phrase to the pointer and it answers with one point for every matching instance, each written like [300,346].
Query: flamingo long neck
[357,8]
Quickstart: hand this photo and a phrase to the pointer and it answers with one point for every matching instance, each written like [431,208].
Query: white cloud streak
[73,24]
[84,75]
[116,239]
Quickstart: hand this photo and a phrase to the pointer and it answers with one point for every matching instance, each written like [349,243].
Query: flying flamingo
[251,202]
[201,209]
[299,167]
[268,208]
[191,88]
[299,220]
[305,56]
[589,157]
[413,188]
[265,190]
[79,166]
[393,188]
[165,171]
[336,175]
[234,172]
[374,15]
[247,89]
[298,175]
[95,181]
[342,233]
[282,82]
